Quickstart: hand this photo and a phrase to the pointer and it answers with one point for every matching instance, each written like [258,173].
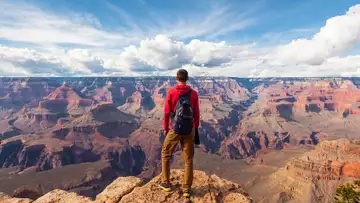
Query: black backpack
[183,116]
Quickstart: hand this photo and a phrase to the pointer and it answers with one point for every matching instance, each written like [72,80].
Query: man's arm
[196,119]
[167,111]
[196,111]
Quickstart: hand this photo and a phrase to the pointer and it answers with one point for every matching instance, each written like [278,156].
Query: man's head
[182,76]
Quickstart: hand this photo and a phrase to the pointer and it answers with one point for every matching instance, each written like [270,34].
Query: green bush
[348,193]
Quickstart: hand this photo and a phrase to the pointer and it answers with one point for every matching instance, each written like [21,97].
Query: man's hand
[197,138]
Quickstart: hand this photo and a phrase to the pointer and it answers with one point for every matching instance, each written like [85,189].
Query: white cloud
[27,23]
[164,53]
[9,69]
[55,62]
[161,53]
[214,20]
[22,22]
[220,21]
[341,33]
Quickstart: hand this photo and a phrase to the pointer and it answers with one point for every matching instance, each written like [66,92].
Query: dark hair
[182,75]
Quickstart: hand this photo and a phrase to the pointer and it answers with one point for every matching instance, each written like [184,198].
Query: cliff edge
[131,189]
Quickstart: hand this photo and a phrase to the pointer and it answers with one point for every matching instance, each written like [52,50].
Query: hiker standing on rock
[181,123]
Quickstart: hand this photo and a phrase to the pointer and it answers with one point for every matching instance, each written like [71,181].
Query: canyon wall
[49,123]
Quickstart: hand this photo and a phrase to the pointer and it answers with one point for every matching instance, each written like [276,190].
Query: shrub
[348,193]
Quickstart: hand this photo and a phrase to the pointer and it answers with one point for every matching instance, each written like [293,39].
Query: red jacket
[171,102]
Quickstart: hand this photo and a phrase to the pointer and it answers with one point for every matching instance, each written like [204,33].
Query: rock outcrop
[96,135]
[205,189]
[295,113]
[60,196]
[104,94]
[117,189]
[314,176]
[209,189]
[4,198]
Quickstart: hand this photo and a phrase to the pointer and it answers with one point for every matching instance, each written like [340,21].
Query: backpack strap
[187,94]
[182,96]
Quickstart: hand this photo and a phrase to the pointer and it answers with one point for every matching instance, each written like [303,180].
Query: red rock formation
[63,92]
[160,94]
[313,97]
[105,95]
[351,169]
[139,103]
[331,158]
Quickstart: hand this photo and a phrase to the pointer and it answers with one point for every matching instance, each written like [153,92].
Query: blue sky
[244,38]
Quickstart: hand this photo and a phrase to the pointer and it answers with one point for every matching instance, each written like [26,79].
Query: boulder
[61,196]
[117,189]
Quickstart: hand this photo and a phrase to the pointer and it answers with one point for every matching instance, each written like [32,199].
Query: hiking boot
[165,186]
[187,193]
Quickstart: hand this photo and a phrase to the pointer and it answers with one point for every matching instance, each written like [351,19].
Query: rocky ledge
[131,189]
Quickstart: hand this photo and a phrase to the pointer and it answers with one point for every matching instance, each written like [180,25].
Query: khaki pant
[187,148]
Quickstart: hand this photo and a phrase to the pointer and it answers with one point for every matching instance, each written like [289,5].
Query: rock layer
[314,176]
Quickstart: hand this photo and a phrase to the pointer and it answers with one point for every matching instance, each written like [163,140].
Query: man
[181,123]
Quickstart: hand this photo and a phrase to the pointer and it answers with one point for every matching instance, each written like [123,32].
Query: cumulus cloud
[9,69]
[158,54]
[341,33]
[163,53]
[24,61]
[84,61]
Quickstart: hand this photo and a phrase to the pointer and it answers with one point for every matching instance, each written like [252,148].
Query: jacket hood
[182,89]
